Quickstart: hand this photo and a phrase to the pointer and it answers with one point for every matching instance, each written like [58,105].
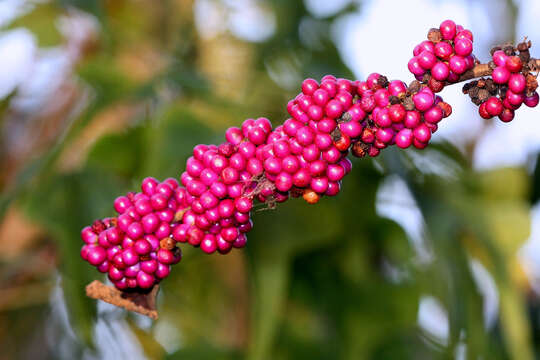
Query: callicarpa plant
[306,157]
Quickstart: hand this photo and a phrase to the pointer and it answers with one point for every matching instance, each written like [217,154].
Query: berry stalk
[306,156]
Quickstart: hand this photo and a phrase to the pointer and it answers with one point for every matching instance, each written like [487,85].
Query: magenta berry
[149,186]
[422,101]
[457,64]
[499,58]
[513,64]
[422,133]
[448,29]
[443,50]
[414,66]
[243,204]
[427,59]
[433,115]
[506,115]
[440,71]
[500,75]
[531,101]
[463,47]
[208,244]
[517,83]
[121,204]
[494,106]
[404,138]
[351,128]
[96,255]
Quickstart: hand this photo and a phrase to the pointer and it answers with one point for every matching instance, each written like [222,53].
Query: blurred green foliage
[331,281]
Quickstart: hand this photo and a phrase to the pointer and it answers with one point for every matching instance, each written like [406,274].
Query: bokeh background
[430,254]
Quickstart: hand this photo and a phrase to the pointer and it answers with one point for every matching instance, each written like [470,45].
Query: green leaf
[64,205]
[118,153]
[169,141]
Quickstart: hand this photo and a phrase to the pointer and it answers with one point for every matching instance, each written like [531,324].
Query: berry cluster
[511,84]
[444,56]
[217,211]
[136,249]
[305,156]
[390,113]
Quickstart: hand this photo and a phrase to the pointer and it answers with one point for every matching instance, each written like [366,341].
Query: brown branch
[484,70]
[143,303]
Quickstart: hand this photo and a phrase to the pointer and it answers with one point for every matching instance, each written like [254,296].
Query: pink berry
[208,244]
[309,86]
[514,99]
[311,153]
[448,29]
[135,230]
[144,280]
[229,234]
[422,133]
[283,181]
[223,246]
[356,112]
[397,113]
[148,185]
[494,106]
[383,118]
[240,241]
[433,115]
[162,270]
[305,135]
[457,64]
[149,266]
[130,257]
[513,64]
[404,138]
[397,87]
[440,71]
[500,75]
[517,83]
[507,115]
[384,135]
[301,178]
[352,129]
[121,204]
[412,119]
[427,59]
[234,135]
[422,101]
[321,97]
[323,141]
[329,86]
[463,47]
[96,255]
[414,66]
[165,256]
[88,235]
[332,155]
[319,184]
[243,204]
[443,50]
[333,109]
[499,58]
[463,34]
[335,172]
